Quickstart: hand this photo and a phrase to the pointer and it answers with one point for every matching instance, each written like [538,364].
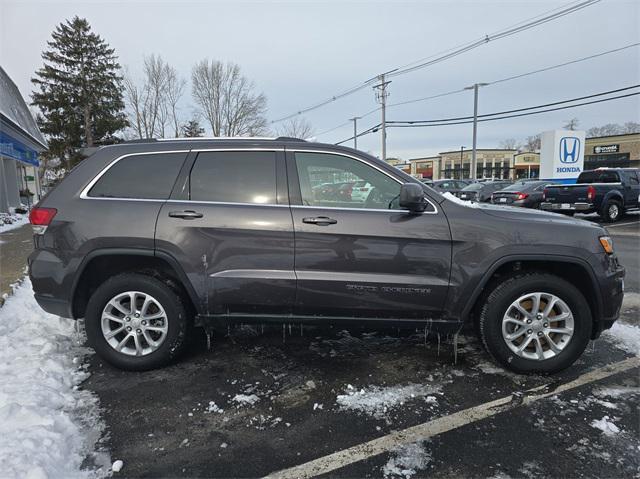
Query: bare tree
[571,124]
[631,127]
[509,144]
[533,143]
[153,105]
[296,128]
[226,99]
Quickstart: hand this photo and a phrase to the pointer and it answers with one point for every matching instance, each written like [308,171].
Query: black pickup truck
[607,191]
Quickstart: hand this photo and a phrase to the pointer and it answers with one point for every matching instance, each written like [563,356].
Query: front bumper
[581,207]
[612,293]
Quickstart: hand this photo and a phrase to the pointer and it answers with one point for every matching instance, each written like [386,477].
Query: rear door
[631,189]
[228,224]
[364,258]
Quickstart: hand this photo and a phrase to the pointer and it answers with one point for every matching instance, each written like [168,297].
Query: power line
[508,31]
[518,115]
[519,109]
[493,118]
[514,77]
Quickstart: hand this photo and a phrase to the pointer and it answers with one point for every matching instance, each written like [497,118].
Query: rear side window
[598,177]
[147,176]
[234,177]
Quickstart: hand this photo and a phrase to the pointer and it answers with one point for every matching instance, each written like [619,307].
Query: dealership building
[613,151]
[20,144]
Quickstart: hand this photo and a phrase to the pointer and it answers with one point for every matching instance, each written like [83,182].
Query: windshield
[474,187]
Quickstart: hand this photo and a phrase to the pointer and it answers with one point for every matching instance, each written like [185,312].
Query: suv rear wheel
[136,322]
[535,323]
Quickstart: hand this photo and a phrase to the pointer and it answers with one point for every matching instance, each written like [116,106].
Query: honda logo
[569,149]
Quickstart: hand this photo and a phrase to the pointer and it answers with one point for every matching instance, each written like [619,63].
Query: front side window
[330,180]
[149,176]
[234,177]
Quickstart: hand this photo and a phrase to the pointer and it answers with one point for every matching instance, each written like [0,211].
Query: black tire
[504,294]
[612,211]
[178,321]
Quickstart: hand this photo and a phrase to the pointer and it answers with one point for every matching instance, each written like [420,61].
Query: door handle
[320,220]
[186,215]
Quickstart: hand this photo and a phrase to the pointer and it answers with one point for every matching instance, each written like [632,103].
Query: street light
[475,87]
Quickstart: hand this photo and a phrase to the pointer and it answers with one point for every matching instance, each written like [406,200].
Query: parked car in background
[481,192]
[607,191]
[527,193]
[452,186]
[360,191]
[340,190]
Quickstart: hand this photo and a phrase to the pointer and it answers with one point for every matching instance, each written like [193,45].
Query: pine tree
[79,90]
[192,129]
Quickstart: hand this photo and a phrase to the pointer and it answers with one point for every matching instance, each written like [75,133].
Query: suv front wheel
[136,322]
[535,323]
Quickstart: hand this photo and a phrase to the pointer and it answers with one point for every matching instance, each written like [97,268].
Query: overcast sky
[299,53]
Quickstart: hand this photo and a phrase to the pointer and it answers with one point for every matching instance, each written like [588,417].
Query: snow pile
[607,427]
[455,199]
[245,399]
[13,221]
[625,336]
[377,401]
[406,461]
[47,426]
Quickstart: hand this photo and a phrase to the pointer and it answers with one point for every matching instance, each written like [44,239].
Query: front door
[232,232]
[357,253]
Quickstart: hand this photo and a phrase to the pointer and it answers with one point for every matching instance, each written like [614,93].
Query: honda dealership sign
[562,155]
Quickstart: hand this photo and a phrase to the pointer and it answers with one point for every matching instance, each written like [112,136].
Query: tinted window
[234,177]
[633,178]
[140,176]
[598,176]
[329,180]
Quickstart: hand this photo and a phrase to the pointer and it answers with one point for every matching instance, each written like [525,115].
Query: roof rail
[290,138]
[140,140]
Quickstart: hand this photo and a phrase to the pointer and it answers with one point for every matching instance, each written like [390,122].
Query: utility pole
[355,131]
[381,97]
[461,164]
[475,87]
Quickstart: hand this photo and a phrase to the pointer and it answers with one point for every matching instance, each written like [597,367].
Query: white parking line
[623,224]
[443,424]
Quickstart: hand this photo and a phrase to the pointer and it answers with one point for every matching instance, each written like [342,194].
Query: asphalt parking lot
[302,403]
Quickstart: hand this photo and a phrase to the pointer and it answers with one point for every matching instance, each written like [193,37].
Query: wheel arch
[101,264]
[572,269]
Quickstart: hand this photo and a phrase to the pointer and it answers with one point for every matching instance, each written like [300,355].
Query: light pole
[381,96]
[474,87]
[355,131]
[461,163]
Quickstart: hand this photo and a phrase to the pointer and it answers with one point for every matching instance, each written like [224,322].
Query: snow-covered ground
[13,221]
[48,426]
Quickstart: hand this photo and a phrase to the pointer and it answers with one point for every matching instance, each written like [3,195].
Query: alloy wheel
[538,326]
[134,323]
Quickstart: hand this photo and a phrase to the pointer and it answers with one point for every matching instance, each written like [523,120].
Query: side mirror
[412,198]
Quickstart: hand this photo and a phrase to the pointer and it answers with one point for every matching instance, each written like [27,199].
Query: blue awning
[12,148]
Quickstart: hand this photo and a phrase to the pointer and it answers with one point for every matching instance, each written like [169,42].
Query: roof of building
[16,112]
[612,136]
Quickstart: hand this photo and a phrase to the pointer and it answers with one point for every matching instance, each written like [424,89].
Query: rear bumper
[581,207]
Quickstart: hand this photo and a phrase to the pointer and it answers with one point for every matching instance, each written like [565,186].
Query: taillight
[591,193]
[521,196]
[40,219]
[544,194]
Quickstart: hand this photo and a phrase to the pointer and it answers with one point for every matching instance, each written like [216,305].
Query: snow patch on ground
[631,301]
[245,399]
[376,401]
[625,336]
[615,392]
[48,426]
[407,461]
[606,426]
[10,222]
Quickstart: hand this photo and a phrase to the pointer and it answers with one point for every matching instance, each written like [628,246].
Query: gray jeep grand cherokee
[146,240]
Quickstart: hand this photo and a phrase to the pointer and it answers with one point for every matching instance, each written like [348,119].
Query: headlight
[607,244]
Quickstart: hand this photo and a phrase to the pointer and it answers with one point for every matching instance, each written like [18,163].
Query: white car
[360,191]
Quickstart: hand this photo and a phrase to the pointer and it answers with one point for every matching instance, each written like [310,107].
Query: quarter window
[140,176]
[234,177]
[329,180]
